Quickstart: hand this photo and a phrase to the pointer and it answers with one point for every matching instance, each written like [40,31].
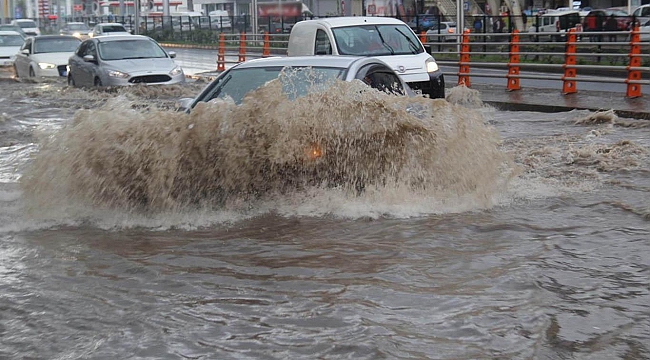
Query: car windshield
[77,27]
[113,28]
[376,40]
[11,40]
[130,49]
[27,24]
[53,45]
[298,80]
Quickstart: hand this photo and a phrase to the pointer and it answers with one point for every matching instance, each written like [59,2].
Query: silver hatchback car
[123,60]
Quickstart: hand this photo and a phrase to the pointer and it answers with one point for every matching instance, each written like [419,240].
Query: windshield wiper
[136,57]
[415,49]
[390,48]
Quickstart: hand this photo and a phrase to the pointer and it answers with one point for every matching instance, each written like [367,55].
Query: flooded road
[504,235]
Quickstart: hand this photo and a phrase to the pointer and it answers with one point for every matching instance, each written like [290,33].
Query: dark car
[76,29]
[422,22]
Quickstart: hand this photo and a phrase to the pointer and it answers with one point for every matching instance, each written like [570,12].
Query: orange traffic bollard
[463,69]
[633,73]
[221,60]
[568,80]
[513,64]
[242,47]
[265,50]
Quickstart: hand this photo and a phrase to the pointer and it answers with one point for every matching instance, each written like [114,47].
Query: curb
[507,106]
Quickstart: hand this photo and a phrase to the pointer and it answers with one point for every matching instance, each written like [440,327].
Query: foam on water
[379,155]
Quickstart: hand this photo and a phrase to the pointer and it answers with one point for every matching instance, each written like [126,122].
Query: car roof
[358,20]
[320,60]
[24,20]
[560,12]
[76,23]
[9,32]
[121,37]
[111,24]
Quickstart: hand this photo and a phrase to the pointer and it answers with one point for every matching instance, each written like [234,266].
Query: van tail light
[450,30]
[557,25]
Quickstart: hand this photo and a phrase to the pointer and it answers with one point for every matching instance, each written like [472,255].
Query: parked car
[76,29]
[104,29]
[644,29]
[123,60]
[45,55]
[29,26]
[642,14]
[221,17]
[422,22]
[600,17]
[445,31]
[10,43]
[555,24]
[16,28]
[245,77]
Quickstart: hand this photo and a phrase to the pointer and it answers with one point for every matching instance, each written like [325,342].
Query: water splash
[346,143]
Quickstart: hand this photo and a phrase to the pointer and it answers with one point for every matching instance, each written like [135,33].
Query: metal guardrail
[491,47]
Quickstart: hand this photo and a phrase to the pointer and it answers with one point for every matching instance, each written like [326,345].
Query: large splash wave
[348,143]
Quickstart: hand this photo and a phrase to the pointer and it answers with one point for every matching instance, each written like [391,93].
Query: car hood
[406,64]
[60,58]
[138,66]
[9,50]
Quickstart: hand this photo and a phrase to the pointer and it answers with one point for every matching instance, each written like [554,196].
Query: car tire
[98,82]
[32,74]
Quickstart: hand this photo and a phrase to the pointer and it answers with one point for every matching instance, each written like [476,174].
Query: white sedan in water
[45,55]
[10,43]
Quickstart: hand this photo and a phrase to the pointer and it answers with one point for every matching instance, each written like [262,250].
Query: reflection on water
[556,266]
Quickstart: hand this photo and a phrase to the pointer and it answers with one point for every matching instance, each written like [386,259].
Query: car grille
[149,79]
[5,57]
[62,70]
[30,33]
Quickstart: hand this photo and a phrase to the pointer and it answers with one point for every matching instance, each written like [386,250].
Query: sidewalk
[551,100]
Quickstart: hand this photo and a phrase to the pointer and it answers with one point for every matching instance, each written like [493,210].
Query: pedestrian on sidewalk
[611,25]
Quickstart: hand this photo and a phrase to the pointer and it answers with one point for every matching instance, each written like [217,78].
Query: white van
[642,14]
[389,39]
[221,18]
[556,23]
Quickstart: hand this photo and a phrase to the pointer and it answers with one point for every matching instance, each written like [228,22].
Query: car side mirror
[25,52]
[172,54]
[184,104]
[89,58]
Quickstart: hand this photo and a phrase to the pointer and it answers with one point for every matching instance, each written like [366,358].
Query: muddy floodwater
[345,224]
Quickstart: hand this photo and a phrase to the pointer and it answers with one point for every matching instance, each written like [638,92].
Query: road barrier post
[265,50]
[463,69]
[221,59]
[513,63]
[568,80]
[633,75]
[242,47]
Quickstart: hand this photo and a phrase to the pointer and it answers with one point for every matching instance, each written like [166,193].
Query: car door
[76,63]
[88,68]
[22,60]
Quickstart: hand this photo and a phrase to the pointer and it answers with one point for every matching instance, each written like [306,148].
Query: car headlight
[117,74]
[431,64]
[76,34]
[46,66]
[176,71]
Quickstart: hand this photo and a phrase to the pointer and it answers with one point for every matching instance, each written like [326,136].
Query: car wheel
[98,82]
[31,72]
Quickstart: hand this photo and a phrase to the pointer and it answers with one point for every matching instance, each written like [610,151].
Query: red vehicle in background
[622,19]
